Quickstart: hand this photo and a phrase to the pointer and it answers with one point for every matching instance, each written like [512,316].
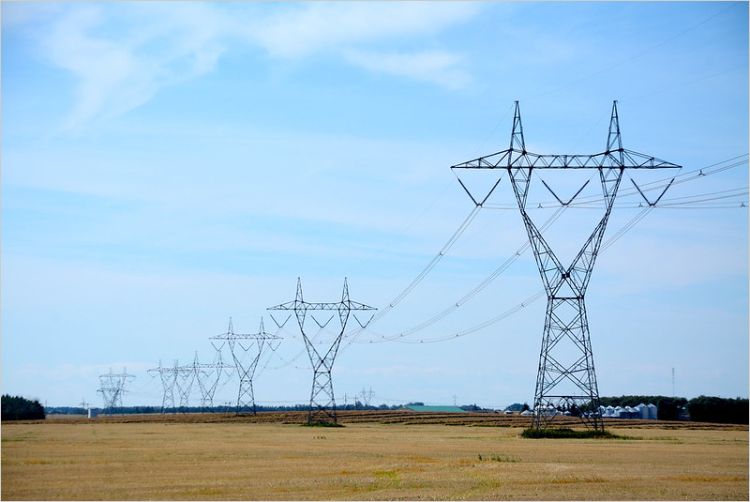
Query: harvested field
[386,417]
[226,457]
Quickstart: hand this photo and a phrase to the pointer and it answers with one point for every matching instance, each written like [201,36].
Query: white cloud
[320,26]
[439,67]
[103,69]
[116,74]
[121,56]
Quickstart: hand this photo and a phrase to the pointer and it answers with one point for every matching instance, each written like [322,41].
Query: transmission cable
[426,270]
[586,201]
[697,173]
[479,287]
[517,308]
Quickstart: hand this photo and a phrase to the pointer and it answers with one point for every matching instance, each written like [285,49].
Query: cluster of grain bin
[642,411]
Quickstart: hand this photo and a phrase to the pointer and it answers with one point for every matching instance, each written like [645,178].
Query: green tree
[19,408]
[718,409]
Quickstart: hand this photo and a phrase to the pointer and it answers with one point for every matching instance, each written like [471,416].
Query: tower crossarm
[513,157]
[346,305]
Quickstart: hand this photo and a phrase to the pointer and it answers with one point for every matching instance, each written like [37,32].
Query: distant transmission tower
[366,396]
[246,349]
[566,380]
[208,376]
[185,376]
[168,377]
[322,402]
[112,388]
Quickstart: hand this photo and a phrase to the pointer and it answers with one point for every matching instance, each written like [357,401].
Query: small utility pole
[673,392]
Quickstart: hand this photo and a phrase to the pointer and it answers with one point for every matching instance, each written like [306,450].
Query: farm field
[225,457]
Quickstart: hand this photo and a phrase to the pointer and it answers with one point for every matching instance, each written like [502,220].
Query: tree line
[19,408]
[700,409]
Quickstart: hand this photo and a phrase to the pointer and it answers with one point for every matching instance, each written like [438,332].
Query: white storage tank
[619,412]
[642,410]
[652,412]
[610,411]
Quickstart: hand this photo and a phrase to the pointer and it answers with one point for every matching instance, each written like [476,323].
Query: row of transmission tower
[566,381]
[179,381]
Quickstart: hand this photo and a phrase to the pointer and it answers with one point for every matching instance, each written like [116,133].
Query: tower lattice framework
[322,400]
[246,350]
[112,388]
[566,378]
[168,377]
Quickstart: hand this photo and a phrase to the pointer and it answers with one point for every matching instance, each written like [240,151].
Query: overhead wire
[479,287]
[516,308]
[688,176]
[586,201]
[423,273]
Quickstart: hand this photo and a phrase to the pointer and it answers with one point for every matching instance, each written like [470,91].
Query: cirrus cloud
[122,55]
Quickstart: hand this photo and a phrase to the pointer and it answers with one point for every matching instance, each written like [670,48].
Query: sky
[167,166]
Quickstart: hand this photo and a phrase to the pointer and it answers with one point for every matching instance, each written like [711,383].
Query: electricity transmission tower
[168,377]
[208,376]
[566,380]
[322,402]
[366,396]
[246,350]
[112,388]
[184,378]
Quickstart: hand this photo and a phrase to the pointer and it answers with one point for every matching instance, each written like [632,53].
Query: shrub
[564,433]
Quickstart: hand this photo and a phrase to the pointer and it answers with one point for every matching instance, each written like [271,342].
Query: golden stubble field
[145,461]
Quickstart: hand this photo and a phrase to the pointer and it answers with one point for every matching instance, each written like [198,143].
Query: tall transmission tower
[246,350]
[185,376]
[322,402]
[168,377]
[112,388]
[566,379]
[219,368]
[208,376]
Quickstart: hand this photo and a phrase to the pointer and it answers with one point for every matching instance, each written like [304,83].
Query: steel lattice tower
[241,344]
[207,384]
[184,378]
[566,379]
[112,388]
[168,377]
[322,401]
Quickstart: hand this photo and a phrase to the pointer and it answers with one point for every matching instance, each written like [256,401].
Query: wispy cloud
[121,56]
[117,73]
[316,27]
[438,67]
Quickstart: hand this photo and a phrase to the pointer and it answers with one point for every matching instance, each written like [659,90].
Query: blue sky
[167,166]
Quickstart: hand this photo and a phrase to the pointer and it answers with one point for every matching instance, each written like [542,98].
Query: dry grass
[386,417]
[244,460]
